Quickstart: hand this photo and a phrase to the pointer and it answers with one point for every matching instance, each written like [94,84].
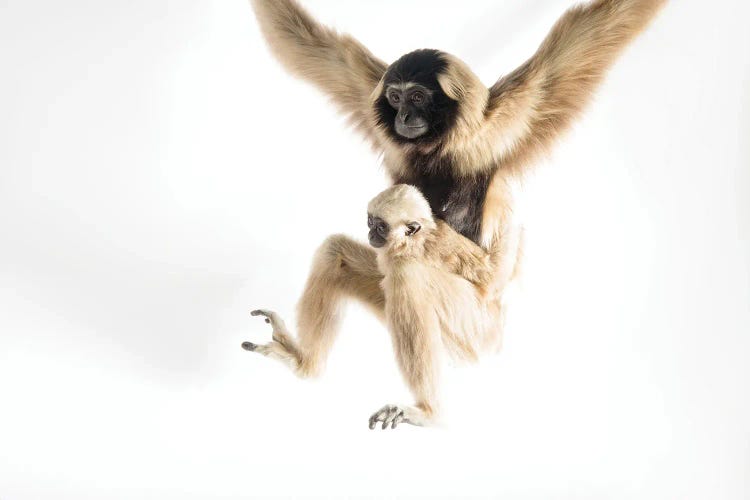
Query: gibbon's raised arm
[531,106]
[336,63]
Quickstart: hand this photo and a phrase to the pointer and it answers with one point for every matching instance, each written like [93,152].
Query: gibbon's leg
[509,269]
[415,334]
[342,269]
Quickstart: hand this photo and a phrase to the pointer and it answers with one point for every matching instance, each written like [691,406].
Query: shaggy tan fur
[500,129]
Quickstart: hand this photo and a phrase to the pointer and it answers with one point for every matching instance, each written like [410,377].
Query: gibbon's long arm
[336,63]
[531,106]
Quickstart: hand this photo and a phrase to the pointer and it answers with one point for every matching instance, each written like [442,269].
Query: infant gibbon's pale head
[398,216]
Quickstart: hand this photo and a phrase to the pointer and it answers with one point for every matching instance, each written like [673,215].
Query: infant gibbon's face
[382,233]
[397,213]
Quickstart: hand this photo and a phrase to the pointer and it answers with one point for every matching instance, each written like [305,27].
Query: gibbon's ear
[413,228]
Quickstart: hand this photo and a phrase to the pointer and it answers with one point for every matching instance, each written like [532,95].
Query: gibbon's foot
[393,415]
[249,346]
[282,347]
[279,333]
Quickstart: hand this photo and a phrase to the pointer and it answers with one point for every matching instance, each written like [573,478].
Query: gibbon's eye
[381,230]
[395,98]
[369,221]
[417,97]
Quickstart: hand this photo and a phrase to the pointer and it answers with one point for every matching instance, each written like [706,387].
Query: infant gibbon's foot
[280,333]
[249,346]
[394,414]
[282,347]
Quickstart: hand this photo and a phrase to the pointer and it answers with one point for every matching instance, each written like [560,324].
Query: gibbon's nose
[404,116]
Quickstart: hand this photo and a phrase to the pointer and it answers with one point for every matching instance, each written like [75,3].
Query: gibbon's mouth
[410,132]
[375,243]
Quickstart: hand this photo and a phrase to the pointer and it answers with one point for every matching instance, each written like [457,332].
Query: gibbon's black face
[379,230]
[413,107]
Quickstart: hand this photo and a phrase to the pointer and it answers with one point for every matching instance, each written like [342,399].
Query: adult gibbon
[463,145]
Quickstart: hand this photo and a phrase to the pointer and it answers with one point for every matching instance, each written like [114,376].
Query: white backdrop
[160,176]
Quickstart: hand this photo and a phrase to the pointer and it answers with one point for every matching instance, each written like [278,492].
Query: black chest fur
[458,200]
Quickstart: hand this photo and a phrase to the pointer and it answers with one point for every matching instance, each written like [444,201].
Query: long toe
[375,418]
[270,317]
[399,418]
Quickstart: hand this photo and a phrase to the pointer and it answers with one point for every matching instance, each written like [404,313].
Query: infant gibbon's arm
[459,255]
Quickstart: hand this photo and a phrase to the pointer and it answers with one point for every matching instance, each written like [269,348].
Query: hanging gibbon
[463,146]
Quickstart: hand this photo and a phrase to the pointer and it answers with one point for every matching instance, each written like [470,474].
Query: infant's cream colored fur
[436,244]
[435,292]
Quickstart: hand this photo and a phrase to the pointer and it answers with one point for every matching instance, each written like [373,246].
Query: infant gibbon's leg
[342,269]
[415,335]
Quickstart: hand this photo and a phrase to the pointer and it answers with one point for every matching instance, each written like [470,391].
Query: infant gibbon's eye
[369,221]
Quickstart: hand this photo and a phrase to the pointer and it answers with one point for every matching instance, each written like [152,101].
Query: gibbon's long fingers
[382,415]
[392,415]
[388,421]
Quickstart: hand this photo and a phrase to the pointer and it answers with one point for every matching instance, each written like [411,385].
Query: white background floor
[160,176]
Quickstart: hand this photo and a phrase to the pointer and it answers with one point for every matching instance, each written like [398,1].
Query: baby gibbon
[435,286]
